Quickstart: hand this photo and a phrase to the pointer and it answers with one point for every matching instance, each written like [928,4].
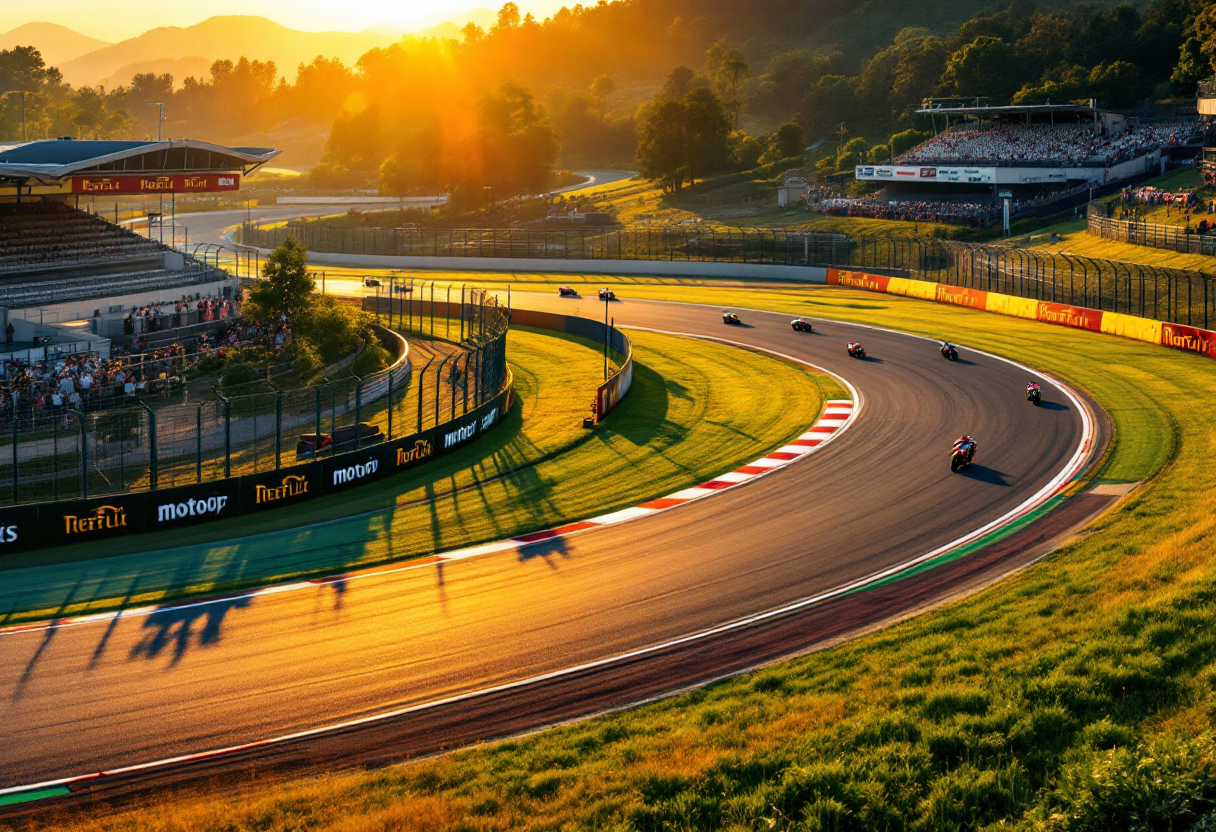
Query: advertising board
[182,183]
[80,521]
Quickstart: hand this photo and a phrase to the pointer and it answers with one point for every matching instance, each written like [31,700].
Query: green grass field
[695,410]
[1078,695]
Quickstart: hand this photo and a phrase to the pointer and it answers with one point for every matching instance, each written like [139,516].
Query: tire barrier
[80,521]
[1175,336]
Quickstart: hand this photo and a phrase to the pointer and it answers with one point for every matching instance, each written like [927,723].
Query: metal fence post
[358,408]
[84,455]
[14,451]
[439,387]
[198,443]
[421,387]
[390,405]
[316,447]
[278,430]
[55,452]
[152,483]
[462,312]
[227,432]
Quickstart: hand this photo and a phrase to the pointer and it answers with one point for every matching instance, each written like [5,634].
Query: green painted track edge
[37,794]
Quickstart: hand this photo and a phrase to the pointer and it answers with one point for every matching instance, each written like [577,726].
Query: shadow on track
[982,473]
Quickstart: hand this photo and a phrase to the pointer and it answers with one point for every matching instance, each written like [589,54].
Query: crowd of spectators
[185,312]
[974,214]
[86,382]
[1066,145]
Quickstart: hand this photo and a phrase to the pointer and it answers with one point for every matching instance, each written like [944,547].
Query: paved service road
[95,696]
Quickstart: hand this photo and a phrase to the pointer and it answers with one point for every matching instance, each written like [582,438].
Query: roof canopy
[955,107]
[57,159]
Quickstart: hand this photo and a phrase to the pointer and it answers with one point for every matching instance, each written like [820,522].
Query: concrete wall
[662,268]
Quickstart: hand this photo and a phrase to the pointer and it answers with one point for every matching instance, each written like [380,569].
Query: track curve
[91,698]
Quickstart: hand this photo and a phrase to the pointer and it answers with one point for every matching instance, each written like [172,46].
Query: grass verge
[695,410]
[1078,695]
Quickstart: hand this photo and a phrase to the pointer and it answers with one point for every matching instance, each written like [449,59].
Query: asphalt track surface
[94,697]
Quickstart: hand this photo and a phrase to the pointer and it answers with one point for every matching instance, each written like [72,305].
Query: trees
[515,146]
[601,89]
[287,288]
[685,139]
[986,67]
[661,144]
[789,141]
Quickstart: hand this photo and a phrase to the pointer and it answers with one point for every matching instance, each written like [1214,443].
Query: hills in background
[57,44]
[189,51]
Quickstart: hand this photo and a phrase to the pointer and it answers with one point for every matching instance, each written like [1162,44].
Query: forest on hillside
[683,88]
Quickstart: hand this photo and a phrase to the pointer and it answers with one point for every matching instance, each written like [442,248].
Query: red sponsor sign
[928,173]
[182,183]
[858,280]
[1065,315]
[961,296]
[1188,338]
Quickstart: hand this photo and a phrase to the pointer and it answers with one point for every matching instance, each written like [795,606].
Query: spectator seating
[39,236]
[16,295]
[1066,145]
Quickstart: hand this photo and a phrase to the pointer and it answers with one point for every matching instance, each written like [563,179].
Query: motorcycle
[731,319]
[1034,394]
[949,352]
[800,325]
[856,350]
[961,456]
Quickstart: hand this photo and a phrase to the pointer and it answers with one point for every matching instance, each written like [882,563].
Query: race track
[92,697]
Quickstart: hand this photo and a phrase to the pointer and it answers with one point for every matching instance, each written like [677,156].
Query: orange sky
[114,20]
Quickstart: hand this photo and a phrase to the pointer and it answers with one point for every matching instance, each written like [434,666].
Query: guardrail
[608,394]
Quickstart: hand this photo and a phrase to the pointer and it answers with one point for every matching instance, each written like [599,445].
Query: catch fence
[150,443]
[1175,295]
[1155,235]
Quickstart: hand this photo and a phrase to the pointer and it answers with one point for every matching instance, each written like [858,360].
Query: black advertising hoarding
[284,487]
[190,505]
[19,529]
[75,521]
[81,521]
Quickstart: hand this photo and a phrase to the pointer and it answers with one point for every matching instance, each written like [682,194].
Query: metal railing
[719,245]
[1155,235]
[49,454]
[1175,295]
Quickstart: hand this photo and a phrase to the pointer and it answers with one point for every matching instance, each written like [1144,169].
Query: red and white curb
[837,415]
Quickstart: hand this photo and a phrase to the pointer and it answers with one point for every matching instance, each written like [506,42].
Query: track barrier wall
[608,394]
[1176,336]
[81,521]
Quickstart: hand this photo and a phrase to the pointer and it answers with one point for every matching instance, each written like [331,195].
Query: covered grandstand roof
[939,106]
[56,159]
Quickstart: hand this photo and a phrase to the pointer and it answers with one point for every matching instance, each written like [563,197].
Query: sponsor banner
[1200,341]
[181,183]
[19,529]
[410,452]
[354,468]
[284,487]
[959,296]
[81,521]
[189,505]
[858,280]
[1064,315]
[919,173]
[1129,326]
[1013,306]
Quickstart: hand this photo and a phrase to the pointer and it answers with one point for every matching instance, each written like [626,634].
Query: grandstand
[1038,156]
[69,279]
